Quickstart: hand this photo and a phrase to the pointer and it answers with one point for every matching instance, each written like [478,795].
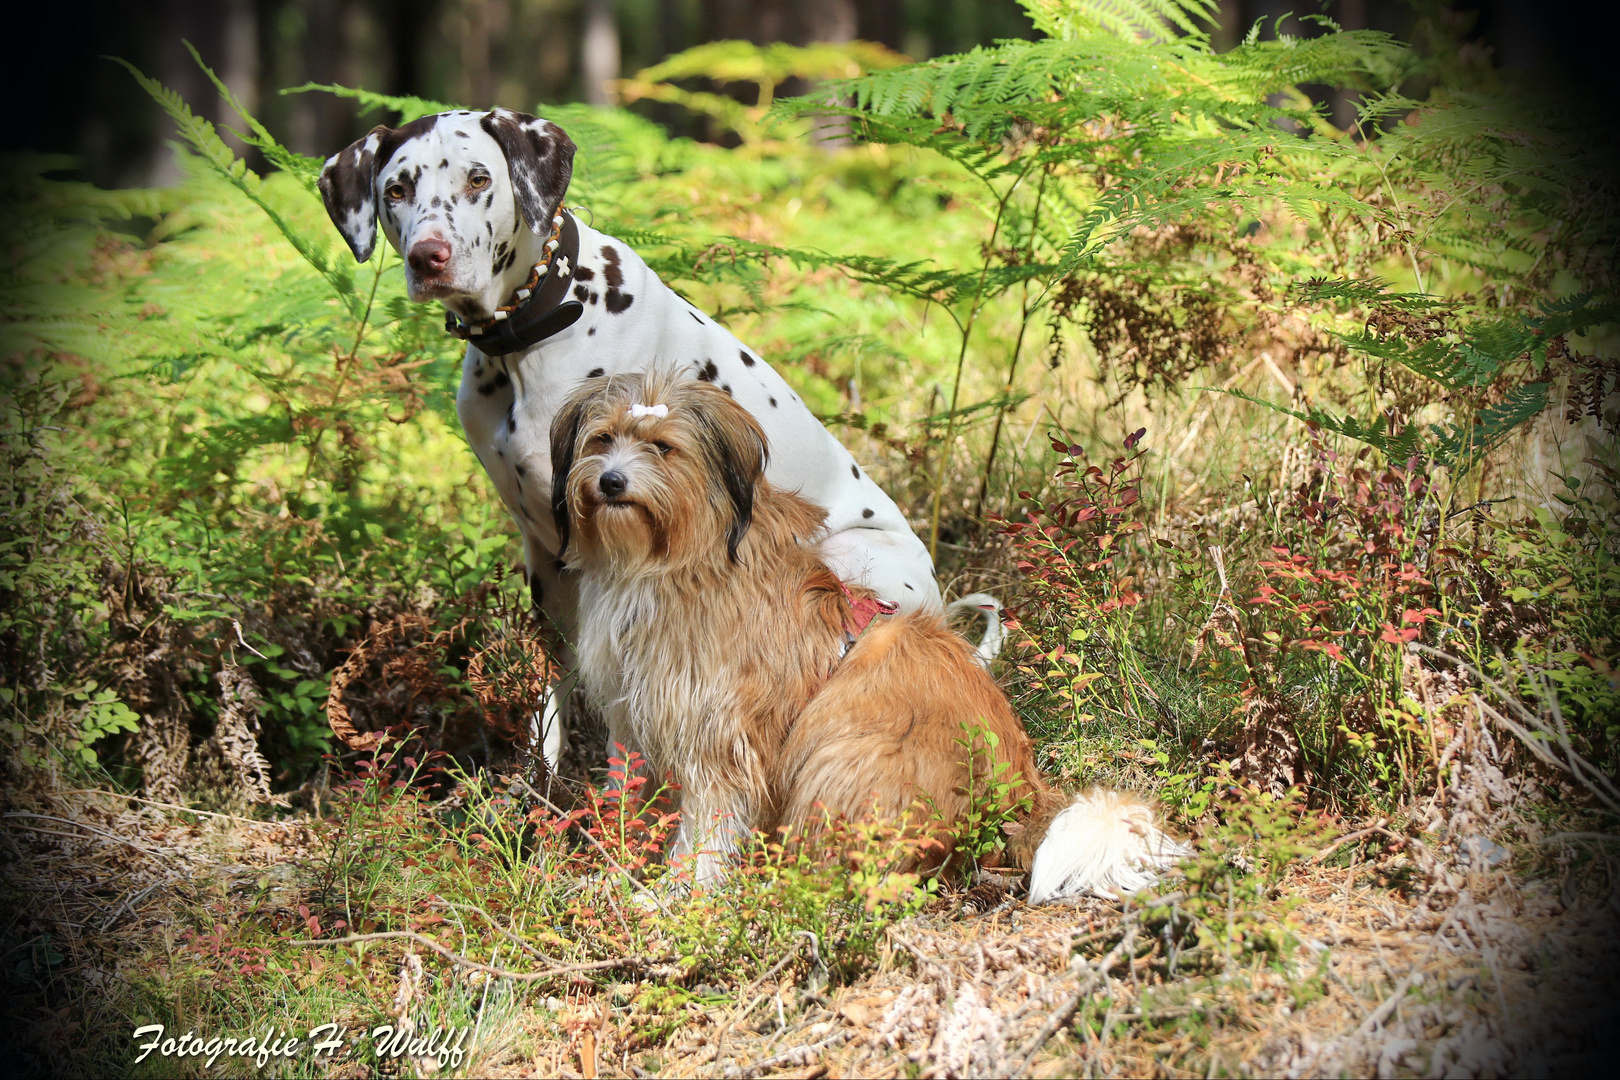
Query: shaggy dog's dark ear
[564,436]
[737,450]
[347,189]
[540,158]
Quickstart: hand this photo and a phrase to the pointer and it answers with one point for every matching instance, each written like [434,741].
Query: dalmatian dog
[473,204]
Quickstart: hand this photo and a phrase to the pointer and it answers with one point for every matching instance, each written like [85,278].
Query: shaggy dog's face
[653,472]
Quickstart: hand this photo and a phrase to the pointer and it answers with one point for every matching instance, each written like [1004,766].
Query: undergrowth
[1286,445]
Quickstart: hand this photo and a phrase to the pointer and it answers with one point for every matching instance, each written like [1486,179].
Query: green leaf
[219,157]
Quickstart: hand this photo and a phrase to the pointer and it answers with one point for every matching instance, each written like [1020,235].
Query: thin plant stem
[346,363]
[1018,347]
[961,361]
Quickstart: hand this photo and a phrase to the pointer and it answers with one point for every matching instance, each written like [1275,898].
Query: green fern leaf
[219,157]
[408,106]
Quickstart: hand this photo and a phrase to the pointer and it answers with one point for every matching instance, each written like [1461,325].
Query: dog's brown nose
[429,257]
[612,484]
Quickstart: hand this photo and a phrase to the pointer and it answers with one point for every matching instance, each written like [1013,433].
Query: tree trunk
[477,83]
[599,52]
[405,25]
[797,22]
[320,123]
[1352,15]
[239,60]
[198,22]
[882,21]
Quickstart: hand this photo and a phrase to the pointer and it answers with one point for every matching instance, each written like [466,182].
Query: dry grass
[1405,955]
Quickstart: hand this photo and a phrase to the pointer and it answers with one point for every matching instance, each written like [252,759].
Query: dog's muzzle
[612,483]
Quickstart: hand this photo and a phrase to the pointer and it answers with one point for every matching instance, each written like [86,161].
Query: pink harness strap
[862,610]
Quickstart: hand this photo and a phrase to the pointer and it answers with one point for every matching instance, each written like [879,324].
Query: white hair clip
[660,410]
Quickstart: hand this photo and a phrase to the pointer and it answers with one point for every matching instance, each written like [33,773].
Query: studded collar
[539,309]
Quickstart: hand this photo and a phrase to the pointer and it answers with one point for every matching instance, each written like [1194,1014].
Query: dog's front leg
[554,593]
[714,827]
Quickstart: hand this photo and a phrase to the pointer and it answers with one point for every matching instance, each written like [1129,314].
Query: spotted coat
[485,186]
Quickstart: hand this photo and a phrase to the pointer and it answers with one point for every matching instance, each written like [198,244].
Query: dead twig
[1382,1013]
[175,806]
[737,1016]
[1348,838]
[1584,772]
[495,972]
[1064,1012]
[77,825]
[128,905]
[798,1055]
[515,938]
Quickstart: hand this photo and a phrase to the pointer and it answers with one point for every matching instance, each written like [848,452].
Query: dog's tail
[989,647]
[1102,842]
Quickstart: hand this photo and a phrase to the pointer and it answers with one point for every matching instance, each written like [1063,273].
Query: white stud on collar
[660,410]
[562,266]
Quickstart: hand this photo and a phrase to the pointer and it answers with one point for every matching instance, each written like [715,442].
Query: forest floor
[1448,955]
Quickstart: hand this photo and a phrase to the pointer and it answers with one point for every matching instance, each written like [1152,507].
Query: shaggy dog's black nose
[613,483]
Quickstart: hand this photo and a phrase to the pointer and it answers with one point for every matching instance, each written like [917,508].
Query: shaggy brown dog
[715,639]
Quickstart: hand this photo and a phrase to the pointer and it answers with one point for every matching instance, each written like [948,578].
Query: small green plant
[101,715]
[989,794]
[826,895]
[1081,601]
[1232,910]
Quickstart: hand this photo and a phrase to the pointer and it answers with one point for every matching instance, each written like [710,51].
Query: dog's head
[453,192]
[653,471]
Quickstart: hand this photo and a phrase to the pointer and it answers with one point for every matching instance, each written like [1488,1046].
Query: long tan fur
[712,638]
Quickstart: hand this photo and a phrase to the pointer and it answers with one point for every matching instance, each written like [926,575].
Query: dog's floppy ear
[736,444]
[564,434]
[347,189]
[540,158]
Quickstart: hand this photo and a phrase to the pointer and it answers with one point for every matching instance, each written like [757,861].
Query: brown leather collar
[546,312]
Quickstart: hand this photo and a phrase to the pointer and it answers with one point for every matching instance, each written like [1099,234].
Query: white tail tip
[1103,843]
[988,606]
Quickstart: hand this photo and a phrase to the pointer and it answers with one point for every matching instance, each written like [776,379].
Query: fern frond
[744,61]
[1128,19]
[1396,446]
[1351,291]
[1451,446]
[408,106]
[220,158]
[306,169]
[1460,447]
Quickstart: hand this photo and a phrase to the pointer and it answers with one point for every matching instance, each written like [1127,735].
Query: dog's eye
[395,192]
[478,181]
[662,447]
[601,438]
